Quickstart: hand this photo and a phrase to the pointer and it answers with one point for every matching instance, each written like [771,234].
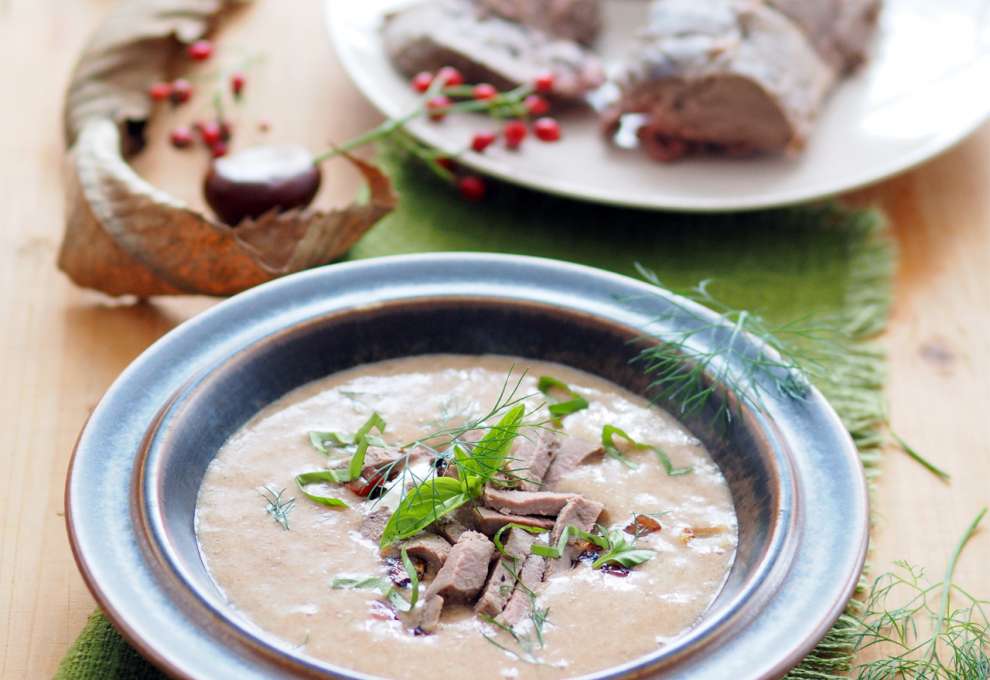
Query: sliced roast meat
[839,29]
[580,513]
[489,521]
[427,616]
[525,502]
[578,20]
[529,460]
[450,528]
[463,575]
[502,580]
[430,35]
[430,549]
[726,75]
[373,524]
[521,603]
[571,452]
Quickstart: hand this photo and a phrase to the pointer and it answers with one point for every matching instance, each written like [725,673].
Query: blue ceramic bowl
[794,473]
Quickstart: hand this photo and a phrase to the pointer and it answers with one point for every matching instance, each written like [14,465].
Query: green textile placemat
[823,261]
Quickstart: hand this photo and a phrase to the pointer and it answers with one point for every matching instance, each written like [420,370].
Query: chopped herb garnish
[435,496]
[384,585]
[574,402]
[277,506]
[497,538]
[325,476]
[363,439]
[423,505]
[616,547]
[610,432]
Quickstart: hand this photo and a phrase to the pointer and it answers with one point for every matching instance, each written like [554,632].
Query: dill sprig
[687,376]
[929,637]
[277,506]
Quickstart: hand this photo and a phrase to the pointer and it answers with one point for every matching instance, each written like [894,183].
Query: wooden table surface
[60,347]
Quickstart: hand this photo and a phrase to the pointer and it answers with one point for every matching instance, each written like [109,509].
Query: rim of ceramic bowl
[192,633]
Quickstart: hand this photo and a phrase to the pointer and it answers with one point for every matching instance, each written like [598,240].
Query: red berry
[472,188]
[450,76]
[546,129]
[515,133]
[237,83]
[446,163]
[181,137]
[482,140]
[484,91]
[218,149]
[201,50]
[536,105]
[421,81]
[264,125]
[437,107]
[543,82]
[211,132]
[182,91]
[159,92]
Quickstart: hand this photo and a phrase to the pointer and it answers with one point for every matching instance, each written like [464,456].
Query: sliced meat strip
[581,513]
[733,76]
[380,460]
[463,575]
[571,452]
[525,502]
[430,549]
[449,528]
[489,521]
[373,524]
[578,20]
[839,29]
[521,603]
[529,461]
[430,35]
[427,616]
[502,580]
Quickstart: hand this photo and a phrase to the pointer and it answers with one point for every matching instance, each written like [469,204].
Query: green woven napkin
[786,264]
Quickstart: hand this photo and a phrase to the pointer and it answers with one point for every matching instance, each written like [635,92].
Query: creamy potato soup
[545,523]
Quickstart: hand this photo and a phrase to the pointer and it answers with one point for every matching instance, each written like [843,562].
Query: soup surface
[277,569]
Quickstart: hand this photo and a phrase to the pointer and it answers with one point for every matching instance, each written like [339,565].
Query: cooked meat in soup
[418,517]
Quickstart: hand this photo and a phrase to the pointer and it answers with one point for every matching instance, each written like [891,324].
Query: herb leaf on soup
[609,434]
[551,386]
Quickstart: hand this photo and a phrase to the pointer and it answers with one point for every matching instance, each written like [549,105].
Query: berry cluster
[214,134]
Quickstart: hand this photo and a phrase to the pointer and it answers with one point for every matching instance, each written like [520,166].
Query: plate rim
[379,98]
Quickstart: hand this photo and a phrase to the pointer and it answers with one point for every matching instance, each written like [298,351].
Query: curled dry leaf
[123,235]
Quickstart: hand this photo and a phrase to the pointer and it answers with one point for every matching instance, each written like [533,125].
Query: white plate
[924,88]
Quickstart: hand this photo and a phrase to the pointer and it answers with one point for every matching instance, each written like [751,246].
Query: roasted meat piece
[727,75]
[578,20]
[485,49]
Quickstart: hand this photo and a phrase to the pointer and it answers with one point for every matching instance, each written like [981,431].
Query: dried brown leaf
[123,235]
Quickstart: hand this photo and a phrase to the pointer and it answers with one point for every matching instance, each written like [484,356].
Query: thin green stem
[950,571]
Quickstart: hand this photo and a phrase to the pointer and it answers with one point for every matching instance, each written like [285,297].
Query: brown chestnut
[254,181]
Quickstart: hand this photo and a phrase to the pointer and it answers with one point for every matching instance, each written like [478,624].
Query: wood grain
[61,347]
